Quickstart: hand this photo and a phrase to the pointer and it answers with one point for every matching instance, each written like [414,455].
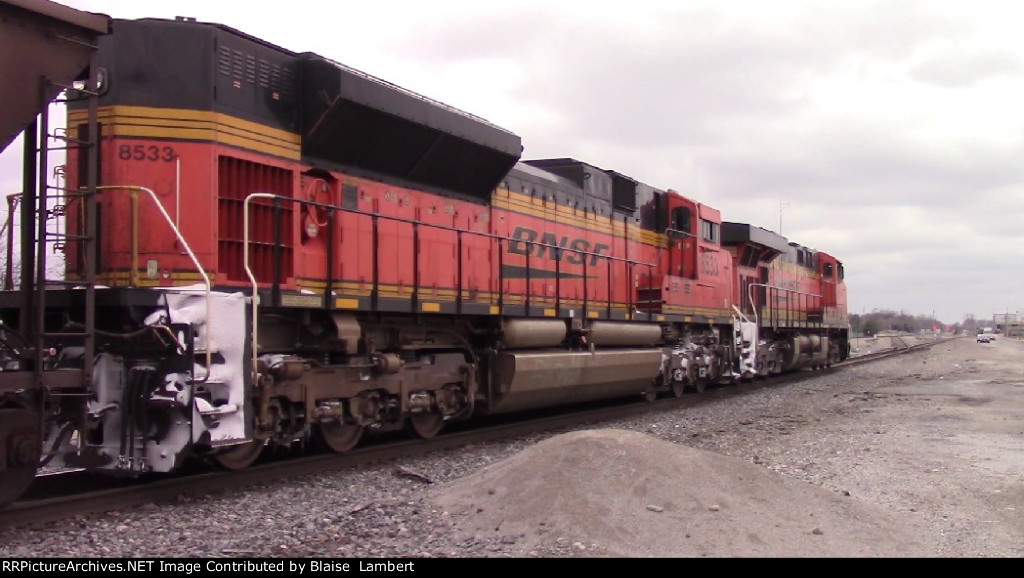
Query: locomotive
[262,248]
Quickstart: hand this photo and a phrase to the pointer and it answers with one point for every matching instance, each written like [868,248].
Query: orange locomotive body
[280,247]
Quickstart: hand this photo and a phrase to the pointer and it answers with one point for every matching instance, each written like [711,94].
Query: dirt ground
[918,456]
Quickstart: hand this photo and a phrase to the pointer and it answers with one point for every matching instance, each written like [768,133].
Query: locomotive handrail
[452,229]
[252,276]
[669,234]
[195,261]
[416,223]
[671,231]
[12,204]
[750,295]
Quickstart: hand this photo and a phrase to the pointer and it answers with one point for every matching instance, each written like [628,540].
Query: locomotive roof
[333,107]
[526,167]
[339,65]
[736,233]
[225,28]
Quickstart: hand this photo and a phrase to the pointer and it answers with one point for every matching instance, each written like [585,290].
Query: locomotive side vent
[238,178]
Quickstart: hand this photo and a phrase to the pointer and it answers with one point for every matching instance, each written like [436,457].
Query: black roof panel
[355,119]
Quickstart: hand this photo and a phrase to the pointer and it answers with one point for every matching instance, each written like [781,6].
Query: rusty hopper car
[46,48]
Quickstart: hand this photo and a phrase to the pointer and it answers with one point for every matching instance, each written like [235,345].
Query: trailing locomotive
[263,247]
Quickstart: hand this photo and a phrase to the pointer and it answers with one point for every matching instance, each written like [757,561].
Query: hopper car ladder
[42,230]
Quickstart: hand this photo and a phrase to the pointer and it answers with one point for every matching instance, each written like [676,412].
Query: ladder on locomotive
[51,203]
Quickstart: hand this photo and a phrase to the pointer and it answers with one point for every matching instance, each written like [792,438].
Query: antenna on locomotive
[781,204]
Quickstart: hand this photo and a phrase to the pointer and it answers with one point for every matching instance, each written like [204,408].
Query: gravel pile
[385,511]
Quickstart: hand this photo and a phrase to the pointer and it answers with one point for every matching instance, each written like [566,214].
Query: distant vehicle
[986,338]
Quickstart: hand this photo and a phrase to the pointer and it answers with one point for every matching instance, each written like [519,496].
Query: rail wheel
[678,388]
[339,437]
[241,456]
[14,481]
[700,384]
[24,447]
[426,424]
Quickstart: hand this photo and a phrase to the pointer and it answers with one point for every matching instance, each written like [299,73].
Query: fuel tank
[623,334]
[528,380]
[532,333]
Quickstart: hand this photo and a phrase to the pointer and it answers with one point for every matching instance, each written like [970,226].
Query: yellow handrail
[195,261]
[251,275]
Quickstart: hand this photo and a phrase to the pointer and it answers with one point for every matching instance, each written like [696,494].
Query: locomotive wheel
[678,388]
[426,424]
[240,456]
[23,452]
[14,482]
[339,437]
[700,384]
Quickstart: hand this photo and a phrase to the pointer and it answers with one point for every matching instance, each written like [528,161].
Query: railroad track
[898,346]
[58,496]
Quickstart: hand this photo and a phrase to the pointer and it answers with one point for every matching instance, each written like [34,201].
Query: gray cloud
[887,133]
[965,69]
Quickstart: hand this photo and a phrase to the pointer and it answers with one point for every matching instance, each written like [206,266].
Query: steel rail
[51,500]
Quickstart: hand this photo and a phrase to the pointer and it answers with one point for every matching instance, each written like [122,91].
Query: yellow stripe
[525,204]
[365,289]
[211,135]
[349,289]
[163,123]
[430,307]
[697,312]
[562,214]
[153,114]
[197,125]
[126,274]
[123,278]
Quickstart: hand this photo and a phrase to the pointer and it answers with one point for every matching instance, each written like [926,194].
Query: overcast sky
[889,134]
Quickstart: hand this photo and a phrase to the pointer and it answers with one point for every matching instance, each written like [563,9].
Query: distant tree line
[869,324]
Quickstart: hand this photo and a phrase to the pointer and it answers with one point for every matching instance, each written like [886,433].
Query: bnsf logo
[576,250]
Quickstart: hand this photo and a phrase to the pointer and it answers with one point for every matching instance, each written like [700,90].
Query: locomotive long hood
[354,119]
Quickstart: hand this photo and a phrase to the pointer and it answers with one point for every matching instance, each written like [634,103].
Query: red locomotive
[264,246]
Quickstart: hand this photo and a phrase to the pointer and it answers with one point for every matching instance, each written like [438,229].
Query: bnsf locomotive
[262,247]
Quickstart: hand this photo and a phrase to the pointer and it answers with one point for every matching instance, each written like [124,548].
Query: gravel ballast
[929,443]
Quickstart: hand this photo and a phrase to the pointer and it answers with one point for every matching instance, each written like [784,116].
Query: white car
[985,338]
